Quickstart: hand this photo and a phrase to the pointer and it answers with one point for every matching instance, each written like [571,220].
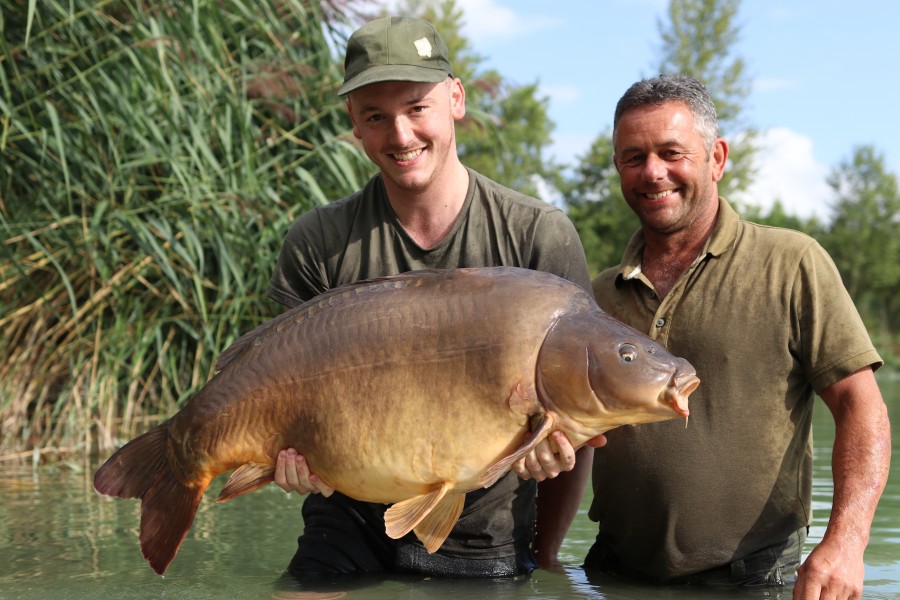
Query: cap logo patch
[423,46]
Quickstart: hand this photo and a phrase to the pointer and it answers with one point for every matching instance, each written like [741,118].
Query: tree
[864,237]
[603,219]
[779,217]
[698,41]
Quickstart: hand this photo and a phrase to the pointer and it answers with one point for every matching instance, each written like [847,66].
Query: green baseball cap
[394,49]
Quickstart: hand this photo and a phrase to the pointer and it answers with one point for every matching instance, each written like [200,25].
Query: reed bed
[152,156]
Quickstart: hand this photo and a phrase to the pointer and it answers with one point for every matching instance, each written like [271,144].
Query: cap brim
[393,73]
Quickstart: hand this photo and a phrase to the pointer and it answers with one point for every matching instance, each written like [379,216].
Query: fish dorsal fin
[499,468]
[404,516]
[246,478]
[438,523]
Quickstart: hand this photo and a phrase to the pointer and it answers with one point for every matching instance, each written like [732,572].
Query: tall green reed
[152,156]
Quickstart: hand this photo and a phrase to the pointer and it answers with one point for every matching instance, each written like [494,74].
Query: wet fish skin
[410,390]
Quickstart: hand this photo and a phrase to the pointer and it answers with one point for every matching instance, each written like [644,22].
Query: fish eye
[628,353]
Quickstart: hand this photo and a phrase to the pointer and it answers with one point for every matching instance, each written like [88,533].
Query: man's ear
[719,157]
[349,107]
[457,99]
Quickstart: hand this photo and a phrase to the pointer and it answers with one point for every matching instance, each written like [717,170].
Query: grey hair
[673,88]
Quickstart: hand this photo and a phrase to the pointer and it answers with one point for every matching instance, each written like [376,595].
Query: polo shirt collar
[722,240]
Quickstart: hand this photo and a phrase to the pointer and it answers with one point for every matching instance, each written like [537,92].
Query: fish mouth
[677,391]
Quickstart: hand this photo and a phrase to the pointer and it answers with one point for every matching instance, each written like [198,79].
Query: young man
[763,316]
[424,209]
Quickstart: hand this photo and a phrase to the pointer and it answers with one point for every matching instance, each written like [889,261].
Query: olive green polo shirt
[763,316]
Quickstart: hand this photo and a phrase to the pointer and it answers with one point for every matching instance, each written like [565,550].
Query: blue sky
[825,74]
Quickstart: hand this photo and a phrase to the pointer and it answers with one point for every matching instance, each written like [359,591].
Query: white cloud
[486,19]
[788,171]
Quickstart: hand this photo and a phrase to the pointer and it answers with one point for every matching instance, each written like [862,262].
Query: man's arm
[562,474]
[557,504]
[860,463]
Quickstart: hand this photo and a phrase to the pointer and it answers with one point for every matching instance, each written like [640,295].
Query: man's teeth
[660,195]
[408,155]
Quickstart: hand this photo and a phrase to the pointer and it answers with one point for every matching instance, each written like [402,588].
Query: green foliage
[153,156]
[864,236]
[603,219]
[778,217]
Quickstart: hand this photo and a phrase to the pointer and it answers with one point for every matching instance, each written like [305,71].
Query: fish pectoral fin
[438,523]
[404,516]
[246,478]
[499,468]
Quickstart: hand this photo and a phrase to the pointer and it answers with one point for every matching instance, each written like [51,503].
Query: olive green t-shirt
[359,238]
[765,319]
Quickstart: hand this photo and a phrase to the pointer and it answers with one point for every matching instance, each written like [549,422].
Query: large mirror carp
[409,390]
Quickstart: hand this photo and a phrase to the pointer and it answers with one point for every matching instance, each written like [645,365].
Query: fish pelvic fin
[140,469]
[493,474]
[404,516]
[437,524]
[246,478]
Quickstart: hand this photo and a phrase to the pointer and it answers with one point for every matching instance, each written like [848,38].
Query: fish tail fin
[141,469]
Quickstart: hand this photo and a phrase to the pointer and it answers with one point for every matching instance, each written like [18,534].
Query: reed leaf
[153,156]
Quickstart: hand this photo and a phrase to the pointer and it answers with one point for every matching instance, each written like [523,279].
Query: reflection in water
[59,539]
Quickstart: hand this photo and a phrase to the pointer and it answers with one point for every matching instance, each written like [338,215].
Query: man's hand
[831,570]
[292,475]
[554,455]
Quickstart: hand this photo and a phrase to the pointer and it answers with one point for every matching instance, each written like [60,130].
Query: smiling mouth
[658,195]
[404,156]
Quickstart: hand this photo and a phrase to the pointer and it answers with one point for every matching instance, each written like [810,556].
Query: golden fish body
[410,390]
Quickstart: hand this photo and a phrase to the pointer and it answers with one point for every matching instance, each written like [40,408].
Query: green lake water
[59,539]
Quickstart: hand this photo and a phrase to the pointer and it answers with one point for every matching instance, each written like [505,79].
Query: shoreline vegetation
[151,159]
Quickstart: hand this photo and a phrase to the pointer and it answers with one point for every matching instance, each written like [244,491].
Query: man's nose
[401,131]
[654,168]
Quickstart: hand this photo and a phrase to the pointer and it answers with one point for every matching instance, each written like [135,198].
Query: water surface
[59,539]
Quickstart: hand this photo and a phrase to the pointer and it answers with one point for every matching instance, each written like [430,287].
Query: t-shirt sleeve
[836,341]
[557,249]
[300,271]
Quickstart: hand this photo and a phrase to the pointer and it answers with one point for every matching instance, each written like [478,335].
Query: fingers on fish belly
[432,516]
[547,423]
